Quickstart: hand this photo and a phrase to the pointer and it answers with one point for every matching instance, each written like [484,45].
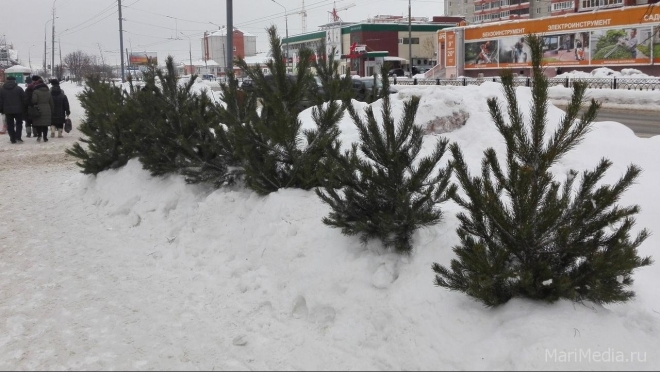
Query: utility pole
[189,51]
[224,55]
[121,44]
[410,40]
[46,46]
[131,73]
[102,59]
[230,37]
[52,47]
[60,50]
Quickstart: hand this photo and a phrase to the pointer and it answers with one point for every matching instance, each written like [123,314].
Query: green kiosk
[21,73]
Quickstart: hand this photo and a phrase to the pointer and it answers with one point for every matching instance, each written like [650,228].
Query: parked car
[364,88]
[246,84]
[397,72]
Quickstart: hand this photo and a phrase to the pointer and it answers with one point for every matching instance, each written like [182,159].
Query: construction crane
[335,10]
[303,15]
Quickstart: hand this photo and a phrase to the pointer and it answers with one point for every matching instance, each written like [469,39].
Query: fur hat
[36,77]
[54,82]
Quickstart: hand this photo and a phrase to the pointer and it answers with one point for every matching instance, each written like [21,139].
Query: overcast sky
[164,26]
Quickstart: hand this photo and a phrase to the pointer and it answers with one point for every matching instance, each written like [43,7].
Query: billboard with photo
[143,58]
[621,46]
[655,51]
[566,49]
[619,36]
[514,52]
[482,54]
[333,40]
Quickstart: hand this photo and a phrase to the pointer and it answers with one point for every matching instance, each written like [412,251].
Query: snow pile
[604,72]
[647,99]
[136,272]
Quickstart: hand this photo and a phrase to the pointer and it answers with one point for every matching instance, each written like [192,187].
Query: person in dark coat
[12,104]
[29,88]
[61,109]
[42,99]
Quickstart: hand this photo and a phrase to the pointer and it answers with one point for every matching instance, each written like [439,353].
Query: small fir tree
[274,150]
[109,111]
[387,192]
[526,235]
[179,131]
[331,86]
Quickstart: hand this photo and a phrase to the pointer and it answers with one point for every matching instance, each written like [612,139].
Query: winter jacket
[41,98]
[60,105]
[29,88]
[12,98]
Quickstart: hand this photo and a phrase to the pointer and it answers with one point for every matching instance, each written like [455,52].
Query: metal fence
[650,83]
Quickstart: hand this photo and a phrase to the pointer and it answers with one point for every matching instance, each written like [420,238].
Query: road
[643,123]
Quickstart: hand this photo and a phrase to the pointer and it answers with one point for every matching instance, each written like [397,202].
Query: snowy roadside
[646,100]
[127,271]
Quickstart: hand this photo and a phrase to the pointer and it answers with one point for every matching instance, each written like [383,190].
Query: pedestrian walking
[12,105]
[61,110]
[29,88]
[42,99]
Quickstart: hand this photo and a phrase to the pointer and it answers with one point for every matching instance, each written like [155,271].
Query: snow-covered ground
[127,271]
[620,98]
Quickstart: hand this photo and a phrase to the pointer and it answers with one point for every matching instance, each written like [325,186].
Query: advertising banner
[143,58]
[627,16]
[566,49]
[482,54]
[620,36]
[451,49]
[621,46]
[655,52]
[333,40]
[514,52]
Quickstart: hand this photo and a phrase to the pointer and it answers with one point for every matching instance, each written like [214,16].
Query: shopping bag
[3,127]
[67,125]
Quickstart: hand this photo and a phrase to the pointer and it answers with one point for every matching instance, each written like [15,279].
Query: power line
[155,37]
[152,25]
[311,6]
[164,15]
[91,18]
[86,27]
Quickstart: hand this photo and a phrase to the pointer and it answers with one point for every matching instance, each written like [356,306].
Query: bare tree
[59,71]
[79,64]
[428,47]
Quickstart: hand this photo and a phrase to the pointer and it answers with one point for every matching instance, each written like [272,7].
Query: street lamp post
[409,40]
[128,62]
[286,23]
[46,46]
[189,51]
[52,48]
[29,58]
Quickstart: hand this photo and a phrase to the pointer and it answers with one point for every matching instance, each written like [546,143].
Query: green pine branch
[381,188]
[524,234]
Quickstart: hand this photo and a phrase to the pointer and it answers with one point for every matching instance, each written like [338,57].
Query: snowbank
[156,274]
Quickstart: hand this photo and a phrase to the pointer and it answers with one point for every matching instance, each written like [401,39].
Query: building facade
[214,46]
[614,38]
[486,11]
[363,47]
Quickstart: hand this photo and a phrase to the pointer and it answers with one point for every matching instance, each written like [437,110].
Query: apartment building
[486,11]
